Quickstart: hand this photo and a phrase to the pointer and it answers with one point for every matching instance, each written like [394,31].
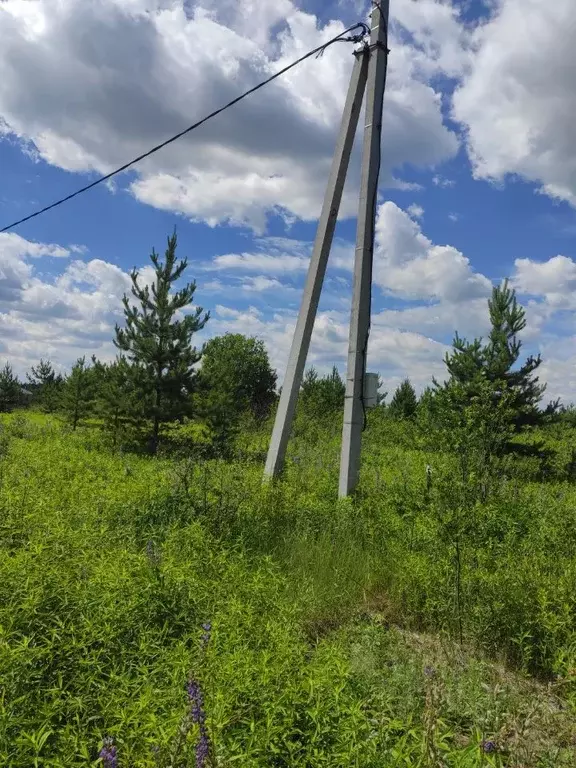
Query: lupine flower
[202,748]
[489,747]
[198,716]
[108,754]
[196,700]
[206,634]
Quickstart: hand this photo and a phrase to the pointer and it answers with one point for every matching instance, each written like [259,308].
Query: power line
[320,49]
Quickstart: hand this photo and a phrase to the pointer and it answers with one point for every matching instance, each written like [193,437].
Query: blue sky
[478,176]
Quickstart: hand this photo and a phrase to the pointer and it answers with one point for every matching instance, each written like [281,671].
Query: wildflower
[198,716]
[207,627]
[429,671]
[489,747]
[196,700]
[108,753]
[202,748]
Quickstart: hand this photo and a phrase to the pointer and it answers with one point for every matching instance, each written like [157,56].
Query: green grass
[336,626]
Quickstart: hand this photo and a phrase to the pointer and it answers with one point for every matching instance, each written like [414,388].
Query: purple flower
[196,700]
[198,716]
[489,747]
[202,748]
[108,753]
[207,627]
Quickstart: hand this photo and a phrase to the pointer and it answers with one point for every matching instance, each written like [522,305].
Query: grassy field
[412,626]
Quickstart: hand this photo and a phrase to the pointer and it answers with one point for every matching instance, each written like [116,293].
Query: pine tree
[322,396]
[10,389]
[78,393]
[218,409]
[309,384]
[46,385]
[159,343]
[404,402]
[486,377]
[117,403]
[471,364]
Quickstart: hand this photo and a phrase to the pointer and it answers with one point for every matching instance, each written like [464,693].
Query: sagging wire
[319,50]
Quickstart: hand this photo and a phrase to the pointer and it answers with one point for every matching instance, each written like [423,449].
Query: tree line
[155,379]
[156,383]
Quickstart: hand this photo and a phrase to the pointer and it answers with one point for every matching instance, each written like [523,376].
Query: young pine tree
[160,343]
[78,393]
[404,402]
[487,386]
[46,386]
[116,402]
[322,396]
[10,390]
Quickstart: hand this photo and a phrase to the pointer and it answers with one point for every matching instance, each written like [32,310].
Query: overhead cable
[345,36]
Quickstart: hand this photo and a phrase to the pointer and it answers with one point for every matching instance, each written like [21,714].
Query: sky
[478,177]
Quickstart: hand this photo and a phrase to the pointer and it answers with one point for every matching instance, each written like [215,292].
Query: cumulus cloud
[15,271]
[410,266]
[559,369]
[555,277]
[441,38]
[89,85]
[415,210]
[62,317]
[74,311]
[550,287]
[441,181]
[517,101]
[272,263]
[392,352]
[410,340]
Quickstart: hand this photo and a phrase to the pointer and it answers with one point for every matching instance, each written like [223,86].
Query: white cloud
[89,85]
[74,312]
[440,319]
[518,100]
[555,276]
[62,317]
[15,271]
[262,283]
[438,32]
[440,181]
[256,262]
[392,352]
[554,280]
[558,369]
[408,265]
[416,211]
[14,246]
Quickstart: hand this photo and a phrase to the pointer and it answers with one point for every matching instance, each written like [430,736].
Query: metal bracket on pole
[317,268]
[354,406]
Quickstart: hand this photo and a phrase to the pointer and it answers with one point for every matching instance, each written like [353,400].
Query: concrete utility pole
[317,268]
[369,73]
[354,405]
